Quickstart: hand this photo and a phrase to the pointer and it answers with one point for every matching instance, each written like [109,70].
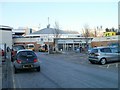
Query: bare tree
[86,33]
[57,30]
[107,30]
[95,33]
[57,34]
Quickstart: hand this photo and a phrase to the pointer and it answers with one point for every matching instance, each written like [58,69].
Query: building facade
[104,41]
[6,36]
[65,41]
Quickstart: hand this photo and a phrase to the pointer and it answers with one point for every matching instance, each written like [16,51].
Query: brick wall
[102,43]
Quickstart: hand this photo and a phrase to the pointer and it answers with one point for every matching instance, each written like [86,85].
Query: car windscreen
[94,51]
[30,46]
[27,54]
[105,50]
[16,48]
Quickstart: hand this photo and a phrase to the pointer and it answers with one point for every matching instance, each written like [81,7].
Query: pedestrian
[13,53]
[80,49]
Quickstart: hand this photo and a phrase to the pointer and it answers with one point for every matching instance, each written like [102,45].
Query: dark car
[16,48]
[26,59]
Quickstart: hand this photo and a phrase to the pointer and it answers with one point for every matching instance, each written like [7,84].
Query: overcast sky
[69,15]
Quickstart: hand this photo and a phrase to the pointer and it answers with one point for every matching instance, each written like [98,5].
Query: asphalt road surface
[68,71]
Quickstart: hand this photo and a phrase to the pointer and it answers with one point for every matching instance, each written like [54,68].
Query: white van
[30,47]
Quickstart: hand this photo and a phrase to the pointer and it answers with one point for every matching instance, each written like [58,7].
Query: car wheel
[103,61]
[38,69]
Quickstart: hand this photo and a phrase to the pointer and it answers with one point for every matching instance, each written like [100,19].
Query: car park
[104,54]
[26,59]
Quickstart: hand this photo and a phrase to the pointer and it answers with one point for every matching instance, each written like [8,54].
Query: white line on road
[108,66]
[19,86]
[102,66]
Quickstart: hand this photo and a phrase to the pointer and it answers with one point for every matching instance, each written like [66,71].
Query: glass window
[114,50]
[94,51]
[31,46]
[16,48]
[41,39]
[105,50]
[26,53]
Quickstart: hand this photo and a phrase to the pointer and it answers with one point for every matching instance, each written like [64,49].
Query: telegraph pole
[48,36]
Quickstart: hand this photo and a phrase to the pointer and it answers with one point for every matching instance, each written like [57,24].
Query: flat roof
[6,28]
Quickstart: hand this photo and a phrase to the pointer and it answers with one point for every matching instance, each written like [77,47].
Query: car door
[108,54]
[115,53]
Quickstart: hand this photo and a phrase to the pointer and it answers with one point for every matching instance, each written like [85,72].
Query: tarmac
[6,71]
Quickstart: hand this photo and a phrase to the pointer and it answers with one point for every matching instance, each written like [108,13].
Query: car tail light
[19,61]
[35,60]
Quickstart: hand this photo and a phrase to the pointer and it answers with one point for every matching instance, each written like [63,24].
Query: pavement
[2,71]
[5,72]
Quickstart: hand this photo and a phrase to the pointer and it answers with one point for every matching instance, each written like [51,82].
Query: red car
[14,51]
[2,52]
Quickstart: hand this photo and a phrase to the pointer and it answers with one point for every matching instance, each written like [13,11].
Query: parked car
[30,47]
[3,52]
[43,48]
[26,59]
[103,55]
[16,48]
[2,55]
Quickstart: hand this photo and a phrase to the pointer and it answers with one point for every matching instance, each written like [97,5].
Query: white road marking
[102,66]
[19,86]
[108,66]
[116,64]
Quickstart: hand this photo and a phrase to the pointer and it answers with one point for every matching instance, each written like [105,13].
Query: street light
[48,45]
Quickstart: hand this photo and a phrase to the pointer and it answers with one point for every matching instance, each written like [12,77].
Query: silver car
[103,55]
[26,59]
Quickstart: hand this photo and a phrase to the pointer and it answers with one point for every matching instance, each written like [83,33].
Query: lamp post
[48,45]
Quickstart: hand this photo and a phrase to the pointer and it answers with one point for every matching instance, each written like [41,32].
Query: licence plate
[27,66]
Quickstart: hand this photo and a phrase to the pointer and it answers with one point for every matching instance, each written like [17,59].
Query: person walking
[80,49]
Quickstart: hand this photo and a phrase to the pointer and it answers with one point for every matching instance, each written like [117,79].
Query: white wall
[6,37]
[119,14]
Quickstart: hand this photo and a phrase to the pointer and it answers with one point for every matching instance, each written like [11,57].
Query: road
[68,71]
